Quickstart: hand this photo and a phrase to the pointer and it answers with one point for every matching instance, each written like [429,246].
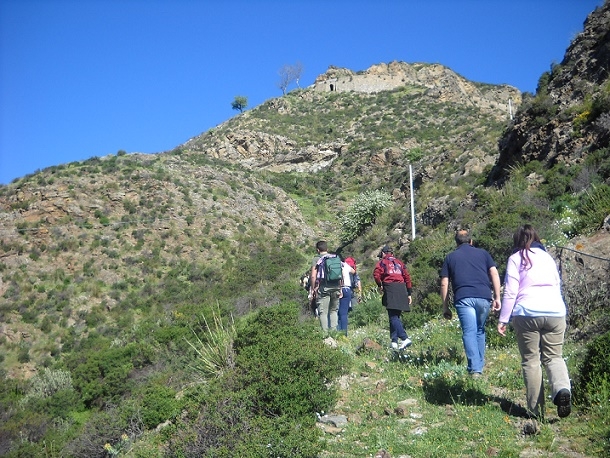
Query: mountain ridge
[254,146]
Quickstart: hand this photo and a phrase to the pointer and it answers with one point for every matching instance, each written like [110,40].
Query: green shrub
[594,207]
[362,213]
[266,404]
[595,368]
[23,356]
[60,404]
[285,365]
[222,421]
[48,382]
[101,375]
[369,311]
[282,437]
[104,431]
[159,404]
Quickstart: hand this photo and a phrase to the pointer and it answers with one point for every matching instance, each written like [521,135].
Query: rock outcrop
[569,116]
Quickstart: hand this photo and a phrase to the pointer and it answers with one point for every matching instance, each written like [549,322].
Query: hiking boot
[405,343]
[563,402]
[394,346]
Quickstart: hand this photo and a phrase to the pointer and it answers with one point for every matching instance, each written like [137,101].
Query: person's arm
[511,289]
[445,296]
[377,275]
[495,282]
[312,281]
[407,278]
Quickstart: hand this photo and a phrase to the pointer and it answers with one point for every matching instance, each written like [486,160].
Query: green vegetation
[361,214]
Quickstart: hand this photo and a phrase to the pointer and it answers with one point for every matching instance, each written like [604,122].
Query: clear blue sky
[84,78]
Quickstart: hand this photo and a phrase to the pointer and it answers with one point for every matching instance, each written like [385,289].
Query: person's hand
[502,329]
[410,300]
[497,305]
[447,313]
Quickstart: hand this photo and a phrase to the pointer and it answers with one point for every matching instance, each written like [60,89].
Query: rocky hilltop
[439,81]
[255,140]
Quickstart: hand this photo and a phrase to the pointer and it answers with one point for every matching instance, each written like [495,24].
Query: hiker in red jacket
[394,282]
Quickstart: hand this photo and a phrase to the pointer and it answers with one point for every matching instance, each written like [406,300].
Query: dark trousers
[397,330]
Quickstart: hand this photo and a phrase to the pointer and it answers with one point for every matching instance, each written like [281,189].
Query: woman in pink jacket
[532,300]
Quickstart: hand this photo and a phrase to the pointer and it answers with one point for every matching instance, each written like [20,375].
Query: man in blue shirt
[472,273]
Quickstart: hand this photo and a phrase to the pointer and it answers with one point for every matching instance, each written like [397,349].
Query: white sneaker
[405,343]
[394,345]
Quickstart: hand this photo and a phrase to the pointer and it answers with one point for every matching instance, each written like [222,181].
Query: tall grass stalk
[214,353]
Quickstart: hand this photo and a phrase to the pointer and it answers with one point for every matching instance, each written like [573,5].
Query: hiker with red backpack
[356,284]
[394,282]
[348,271]
[326,282]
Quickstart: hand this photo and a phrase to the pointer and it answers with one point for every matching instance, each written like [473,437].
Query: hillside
[79,238]
[109,267]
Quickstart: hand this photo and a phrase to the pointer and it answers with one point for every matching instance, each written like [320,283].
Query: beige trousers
[328,308]
[540,340]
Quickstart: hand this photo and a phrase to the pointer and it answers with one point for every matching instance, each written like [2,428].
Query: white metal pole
[412,204]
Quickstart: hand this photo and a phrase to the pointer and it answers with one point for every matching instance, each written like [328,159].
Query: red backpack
[390,266]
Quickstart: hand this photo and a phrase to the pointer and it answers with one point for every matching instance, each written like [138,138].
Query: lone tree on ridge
[239,103]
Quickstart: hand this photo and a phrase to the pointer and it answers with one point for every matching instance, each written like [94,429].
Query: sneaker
[405,343]
[476,374]
[563,402]
[394,345]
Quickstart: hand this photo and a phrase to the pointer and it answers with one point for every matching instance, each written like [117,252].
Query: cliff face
[569,117]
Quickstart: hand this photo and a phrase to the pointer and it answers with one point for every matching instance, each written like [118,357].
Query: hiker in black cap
[394,282]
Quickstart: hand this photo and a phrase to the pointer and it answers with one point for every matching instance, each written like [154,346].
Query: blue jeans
[397,330]
[344,304]
[473,312]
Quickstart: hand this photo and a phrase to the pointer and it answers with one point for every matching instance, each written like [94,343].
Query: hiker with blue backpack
[394,282]
[326,283]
